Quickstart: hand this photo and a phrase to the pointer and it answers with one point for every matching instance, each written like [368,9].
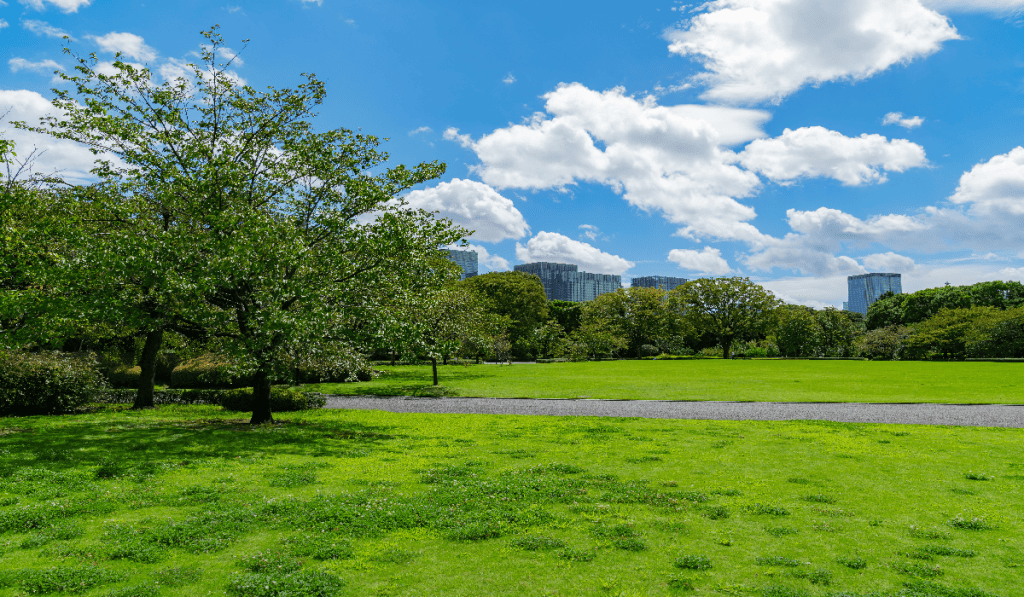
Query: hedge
[47,383]
[208,371]
[282,399]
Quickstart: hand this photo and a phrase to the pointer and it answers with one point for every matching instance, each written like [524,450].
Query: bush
[649,350]
[208,371]
[125,377]
[884,344]
[47,383]
[282,399]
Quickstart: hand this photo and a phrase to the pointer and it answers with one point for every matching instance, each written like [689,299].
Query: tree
[245,214]
[837,333]
[1003,337]
[884,344]
[727,308]
[885,312]
[946,334]
[449,318]
[797,333]
[639,315]
[568,314]
[519,296]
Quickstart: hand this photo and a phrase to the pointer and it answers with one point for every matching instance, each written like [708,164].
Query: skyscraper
[660,282]
[563,281]
[467,260]
[866,288]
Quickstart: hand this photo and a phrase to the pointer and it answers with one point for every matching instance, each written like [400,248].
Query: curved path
[971,415]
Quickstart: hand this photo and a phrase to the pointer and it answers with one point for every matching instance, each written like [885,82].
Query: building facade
[564,281]
[467,260]
[866,288]
[660,282]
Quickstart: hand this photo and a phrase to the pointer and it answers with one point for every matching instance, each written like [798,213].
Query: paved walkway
[971,415]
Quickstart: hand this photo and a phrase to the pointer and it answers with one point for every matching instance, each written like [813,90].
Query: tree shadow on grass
[410,381]
[57,443]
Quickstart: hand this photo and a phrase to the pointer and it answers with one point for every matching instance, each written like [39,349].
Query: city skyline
[639,140]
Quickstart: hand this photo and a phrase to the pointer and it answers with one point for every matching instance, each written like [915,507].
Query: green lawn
[191,501]
[715,379]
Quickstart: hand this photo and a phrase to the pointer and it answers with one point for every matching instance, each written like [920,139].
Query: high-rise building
[467,260]
[866,288]
[564,281]
[660,282]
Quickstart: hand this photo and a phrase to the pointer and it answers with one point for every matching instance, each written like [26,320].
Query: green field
[192,501]
[716,379]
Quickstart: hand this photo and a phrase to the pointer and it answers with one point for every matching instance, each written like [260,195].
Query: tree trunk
[261,399]
[433,363]
[151,350]
[393,358]
[727,347]
[445,361]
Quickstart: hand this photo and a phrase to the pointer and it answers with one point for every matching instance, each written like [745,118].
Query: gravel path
[971,415]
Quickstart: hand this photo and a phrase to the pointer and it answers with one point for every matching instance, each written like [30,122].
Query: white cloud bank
[44,28]
[475,206]
[65,6]
[818,152]
[898,119]
[709,261]
[17,64]
[554,247]
[999,7]
[764,50]
[994,186]
[128,44]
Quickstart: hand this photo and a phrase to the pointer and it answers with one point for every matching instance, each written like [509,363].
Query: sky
[794,142]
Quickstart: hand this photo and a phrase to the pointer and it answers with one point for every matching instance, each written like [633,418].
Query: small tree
[251,227]
[639,315]
[796,331]
[520,297]
[727,308]
[837,333]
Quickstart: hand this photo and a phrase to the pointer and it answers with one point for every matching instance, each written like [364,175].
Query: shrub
[282,399]
[208,371]
[125,377]
[46,383]
[648,350]
[884,344]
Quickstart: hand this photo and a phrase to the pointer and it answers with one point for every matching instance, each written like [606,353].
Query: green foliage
[66,579]
[520,297]
[796,331]
[282,399]
[693,562]
[46,383]
[568,314]
[837,333]
[315,583]
[946,334]
[884,343]
[776,561]
[536,543]
[726,308]
[908,309]
[208,371]
[1001,337]
[638,315]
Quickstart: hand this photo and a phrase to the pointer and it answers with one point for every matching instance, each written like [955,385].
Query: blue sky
[792,141]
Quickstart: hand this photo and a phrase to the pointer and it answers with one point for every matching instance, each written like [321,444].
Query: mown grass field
[192,501]
[715,379]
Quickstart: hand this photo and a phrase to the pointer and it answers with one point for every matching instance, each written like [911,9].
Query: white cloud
[757,50]
[44,28]
[128,44]
[452,134]
[708,261]
[661,158]
[42,66]
[1013,272]
[491,262]
[897,118]
[816,151]
[72,160]
[1001,7]
[509,79]
[4,24]
[422,129]
[475,206]
[590,231]
[994,186]
[317,2]
[554,247]
[889,263]
[65,6]
[232,9]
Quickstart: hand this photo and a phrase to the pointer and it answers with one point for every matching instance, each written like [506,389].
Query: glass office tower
[563,281]
[467,260]
[866,288]
[660,282]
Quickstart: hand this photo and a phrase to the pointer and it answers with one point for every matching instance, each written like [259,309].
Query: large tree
[270,238]
[520,297]
[640,315]
[728,309]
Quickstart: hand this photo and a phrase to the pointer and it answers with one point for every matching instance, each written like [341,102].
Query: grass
[191,501]
[713,379]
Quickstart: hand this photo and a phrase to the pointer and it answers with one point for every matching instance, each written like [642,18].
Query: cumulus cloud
[509,79]
[65,6]
[17,64]
[889,263]
[758,50]
[1000,7]
[897,118]
[72,160]
[818,152]
[4,24]
[994,186]
[475,206]
[128,44]
[669,159]
[708,261]
[44,28]
[490,262]
[554,247]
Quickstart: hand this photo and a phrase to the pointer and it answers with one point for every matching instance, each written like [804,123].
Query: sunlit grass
[372,503]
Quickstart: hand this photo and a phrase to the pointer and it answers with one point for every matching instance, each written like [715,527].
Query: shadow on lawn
[410,381]
[130,444]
